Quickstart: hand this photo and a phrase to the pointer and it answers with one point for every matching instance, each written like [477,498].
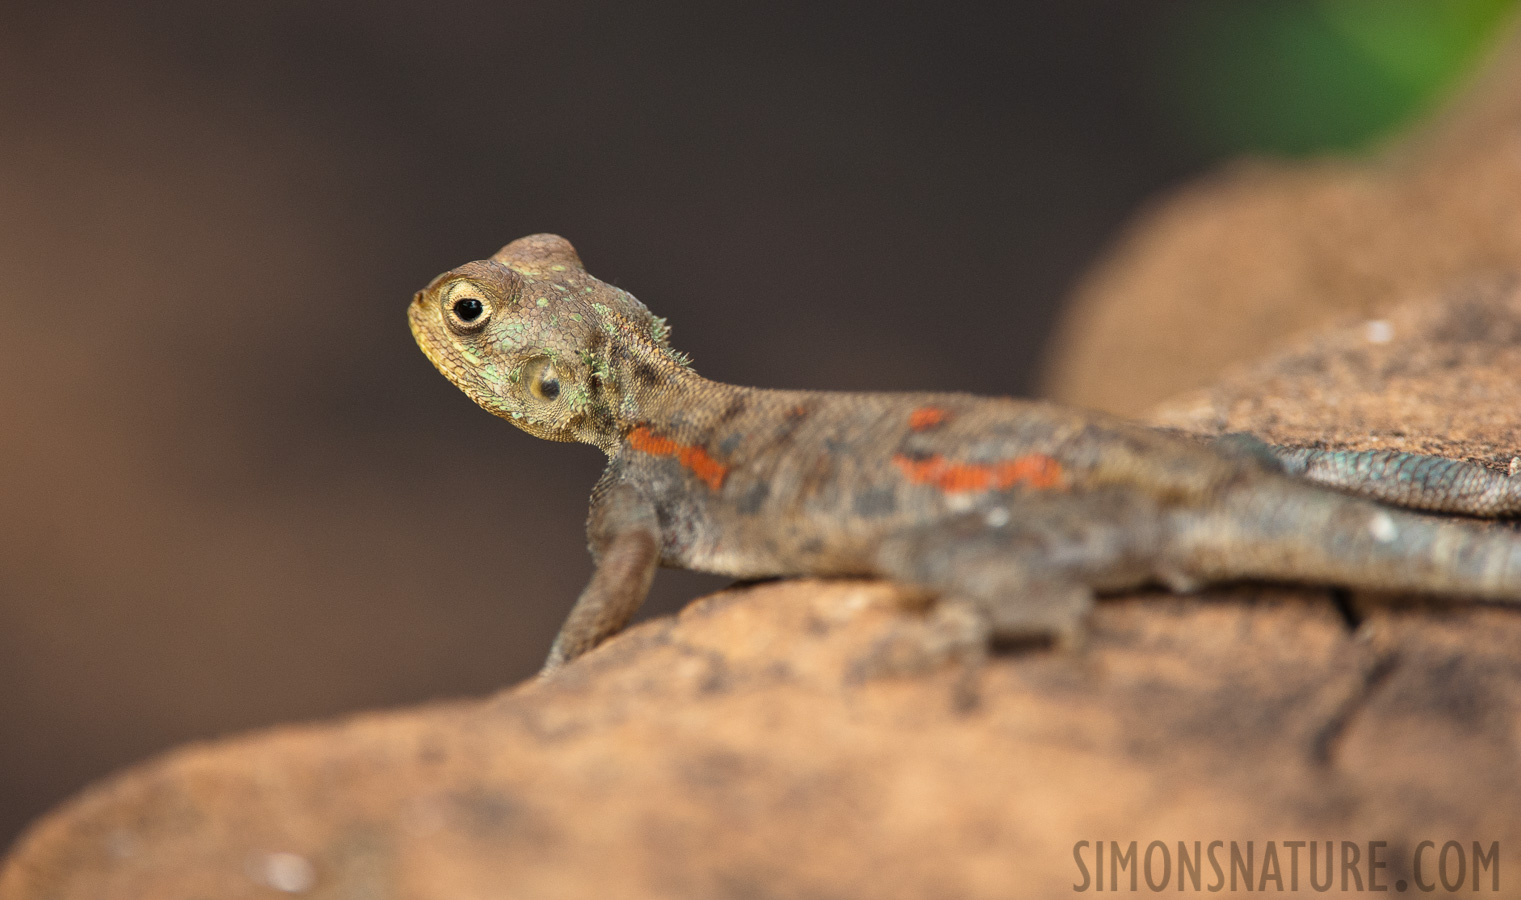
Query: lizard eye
[543,380]
[467,308]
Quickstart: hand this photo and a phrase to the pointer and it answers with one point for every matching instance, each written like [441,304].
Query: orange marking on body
[692,457]
[1034,470]
[926,417]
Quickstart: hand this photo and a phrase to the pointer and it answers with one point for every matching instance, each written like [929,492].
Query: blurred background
[233,493]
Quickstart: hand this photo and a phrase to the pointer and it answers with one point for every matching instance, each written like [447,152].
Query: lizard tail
[1411,480]
[1286,530]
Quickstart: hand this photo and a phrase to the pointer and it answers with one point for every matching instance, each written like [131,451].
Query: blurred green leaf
[1308,76]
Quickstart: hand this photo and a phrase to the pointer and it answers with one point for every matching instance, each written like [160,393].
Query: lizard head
[530,336]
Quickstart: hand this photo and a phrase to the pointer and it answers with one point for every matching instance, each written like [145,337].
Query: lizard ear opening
[540,254]
[542,379]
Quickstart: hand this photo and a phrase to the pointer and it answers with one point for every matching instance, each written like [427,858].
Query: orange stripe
[691,457]
[1035,470]
[926,417]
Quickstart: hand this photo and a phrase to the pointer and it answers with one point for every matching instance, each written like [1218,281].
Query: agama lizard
[1012,513]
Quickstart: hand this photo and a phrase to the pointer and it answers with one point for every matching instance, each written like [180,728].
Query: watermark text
[1284,866]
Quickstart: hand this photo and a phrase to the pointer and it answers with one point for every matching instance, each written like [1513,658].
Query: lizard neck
[669,401]
[651,387]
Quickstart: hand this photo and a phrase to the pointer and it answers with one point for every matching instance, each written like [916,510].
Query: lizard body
[1013,513]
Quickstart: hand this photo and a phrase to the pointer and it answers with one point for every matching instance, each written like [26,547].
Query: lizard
[1013,515]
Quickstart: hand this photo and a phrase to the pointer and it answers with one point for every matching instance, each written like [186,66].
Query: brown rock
[732,751]
[1425,378]
[1262,251]
[728,753]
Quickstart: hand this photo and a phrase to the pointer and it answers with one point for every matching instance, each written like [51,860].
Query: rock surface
[728,754]
[1427,377]
[731,751]
[1263,251]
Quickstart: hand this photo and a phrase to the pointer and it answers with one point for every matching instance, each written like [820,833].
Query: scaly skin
[1012,513]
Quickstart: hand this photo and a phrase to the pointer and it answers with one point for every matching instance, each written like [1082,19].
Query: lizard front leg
[624,535]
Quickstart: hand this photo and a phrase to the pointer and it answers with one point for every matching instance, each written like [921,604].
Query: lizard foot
[1041,612]
[952,630]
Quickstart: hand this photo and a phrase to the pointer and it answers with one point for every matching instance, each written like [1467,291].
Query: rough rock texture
[728,753]
[1262,251]
[1426,378]
[733,752]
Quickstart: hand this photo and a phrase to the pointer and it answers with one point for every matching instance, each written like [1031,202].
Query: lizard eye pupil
[468,309]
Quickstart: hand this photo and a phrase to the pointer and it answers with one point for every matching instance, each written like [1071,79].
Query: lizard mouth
[425,333]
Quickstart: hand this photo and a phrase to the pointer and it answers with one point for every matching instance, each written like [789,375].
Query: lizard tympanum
[1011,513]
